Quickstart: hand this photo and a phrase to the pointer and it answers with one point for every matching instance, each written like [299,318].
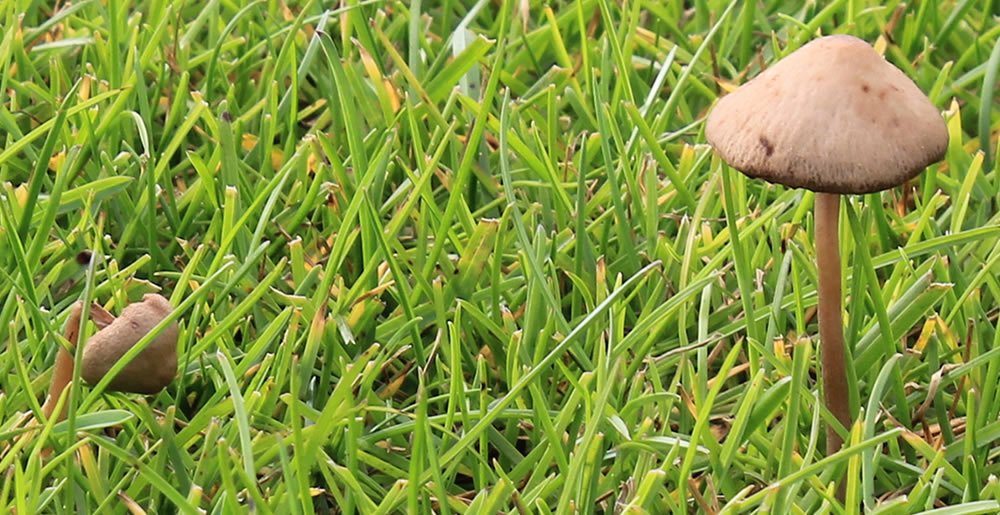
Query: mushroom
[151,371]
[832,117]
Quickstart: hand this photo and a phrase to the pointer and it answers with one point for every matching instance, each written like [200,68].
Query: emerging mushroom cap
[154,368]
[834,117]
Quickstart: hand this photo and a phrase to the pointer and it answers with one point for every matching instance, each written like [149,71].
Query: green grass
[478,258]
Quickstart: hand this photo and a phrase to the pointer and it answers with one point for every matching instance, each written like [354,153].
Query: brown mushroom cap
[154,368]
[834,117]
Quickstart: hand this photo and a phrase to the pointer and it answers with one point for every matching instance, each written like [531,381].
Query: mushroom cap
[834,117]
[154,368]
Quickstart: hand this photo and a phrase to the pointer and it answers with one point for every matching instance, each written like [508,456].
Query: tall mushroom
[151,371]
[832,117]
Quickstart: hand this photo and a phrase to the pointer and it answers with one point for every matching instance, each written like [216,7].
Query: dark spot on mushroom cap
[882,94]
[865,87]
[768,146]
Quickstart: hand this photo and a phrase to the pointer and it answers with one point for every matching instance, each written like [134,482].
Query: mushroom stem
[831,326]
[62,373]
[61,376]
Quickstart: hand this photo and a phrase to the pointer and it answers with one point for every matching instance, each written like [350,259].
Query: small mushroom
[151,371]
[833,117]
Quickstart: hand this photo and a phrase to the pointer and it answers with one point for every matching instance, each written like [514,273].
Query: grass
[477,257]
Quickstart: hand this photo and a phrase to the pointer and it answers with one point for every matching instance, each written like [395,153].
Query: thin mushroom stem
[62,373]
[831,326]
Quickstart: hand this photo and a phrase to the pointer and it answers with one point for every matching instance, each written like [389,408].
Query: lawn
[478,257]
